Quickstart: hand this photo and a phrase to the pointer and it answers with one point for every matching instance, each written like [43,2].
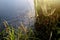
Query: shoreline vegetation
[21,33]
[46,27]
[47,19]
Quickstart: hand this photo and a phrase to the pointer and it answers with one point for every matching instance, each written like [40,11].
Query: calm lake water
[16,11]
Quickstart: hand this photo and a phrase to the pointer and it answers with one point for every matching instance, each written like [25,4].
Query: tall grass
[46,19]
[21,33]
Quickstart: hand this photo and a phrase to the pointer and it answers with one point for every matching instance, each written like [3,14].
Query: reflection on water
[16,11]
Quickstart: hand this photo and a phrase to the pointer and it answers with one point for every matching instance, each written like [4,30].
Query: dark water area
[16,11]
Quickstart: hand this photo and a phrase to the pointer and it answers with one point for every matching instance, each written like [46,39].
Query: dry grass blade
[6,26]
[52,12]
[5,23]
[23,28]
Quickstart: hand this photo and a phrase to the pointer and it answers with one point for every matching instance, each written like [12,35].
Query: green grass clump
[20,33]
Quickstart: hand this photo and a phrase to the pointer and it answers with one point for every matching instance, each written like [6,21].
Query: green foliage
[20,33]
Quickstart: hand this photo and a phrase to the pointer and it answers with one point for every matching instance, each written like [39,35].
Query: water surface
[16,11]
